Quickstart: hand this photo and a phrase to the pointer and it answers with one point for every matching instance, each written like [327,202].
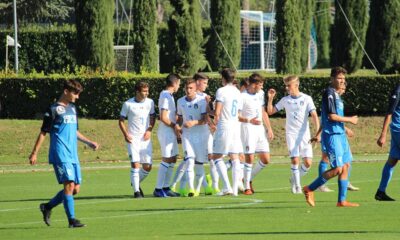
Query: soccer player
[253,134]
[140,113]
[393,118]
[192,111]
[60,120]
[167,134]
[298,107]
[333,140]
[227,136]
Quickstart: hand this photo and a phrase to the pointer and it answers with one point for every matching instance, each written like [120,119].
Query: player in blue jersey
[333,140]
[392,116]
[60,120]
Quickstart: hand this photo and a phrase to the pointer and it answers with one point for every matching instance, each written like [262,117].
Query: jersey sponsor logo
[196,106]
[60,110]
[69,119]
[301,103]
[60,170]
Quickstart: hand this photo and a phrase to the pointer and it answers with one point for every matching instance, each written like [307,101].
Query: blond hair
[290,79]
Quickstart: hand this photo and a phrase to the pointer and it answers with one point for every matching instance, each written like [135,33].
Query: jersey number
[234,108]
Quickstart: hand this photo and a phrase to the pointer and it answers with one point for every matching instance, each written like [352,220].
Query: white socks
[168,175]
[200,176]
[214,175]
[295,175]
[135,179]
[303,170]
[162,171]
[247,174]
[221,168]
[256,169]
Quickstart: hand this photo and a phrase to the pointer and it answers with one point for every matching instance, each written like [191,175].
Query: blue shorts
[337,148]
[66,172]
[395,145]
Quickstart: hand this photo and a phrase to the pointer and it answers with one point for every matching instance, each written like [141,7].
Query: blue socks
[317,183]
[69,206]
[57,199]
[386,176]
[322,167]
[342,189]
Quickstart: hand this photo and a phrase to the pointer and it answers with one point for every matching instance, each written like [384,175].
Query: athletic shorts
[254,139]
[195,145]
[66,172]
[140,151]
[395,145]
[227,140]
[168,142]
[298,145]
[337,148]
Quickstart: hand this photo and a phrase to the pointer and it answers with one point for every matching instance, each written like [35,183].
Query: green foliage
[226,21]
[145,52]
[103,94]
[383,38]
[346,51]
[288,32]
[322,25]
[95,32]
[307,9]
[186,37]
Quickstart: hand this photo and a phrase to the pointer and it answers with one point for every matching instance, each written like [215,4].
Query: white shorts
[140,151]
[168,142]
[254,139]
[195,145]
[299,146]
[227,140]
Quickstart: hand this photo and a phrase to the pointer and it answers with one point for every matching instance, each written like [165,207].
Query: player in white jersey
[254,135]
[298,107]
[227,136]
[141,118]
[192,111]
[167,134]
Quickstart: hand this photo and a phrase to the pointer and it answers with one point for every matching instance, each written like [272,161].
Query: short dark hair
[337,70]
[228,74]
[198,76]
[171,79]
[140,85]
[256,78]
[244,82]
[189,81]
[73,85]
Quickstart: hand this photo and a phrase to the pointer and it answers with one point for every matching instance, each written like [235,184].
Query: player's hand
[33,158]
[212,128]
[178,131]
[349,132]
[189,124]
[255,121]
[147,135]
[271,93]
[93,145]
[128,138]
[208,99]
[354,120]
[315,139]
[270,134]
[381,140]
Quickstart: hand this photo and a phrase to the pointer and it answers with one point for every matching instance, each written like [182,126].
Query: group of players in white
[240,129]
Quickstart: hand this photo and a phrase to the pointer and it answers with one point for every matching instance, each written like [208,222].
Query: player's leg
[387,173]
[135,179]
[323,167]
[222,139]
[295,177]
[306,153]
[199,177]
[248,167]
[180,171]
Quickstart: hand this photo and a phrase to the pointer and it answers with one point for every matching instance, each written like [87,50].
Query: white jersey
[252,105]
[231,100]
[297,111]
[167,102]
[138,115]
[192,110]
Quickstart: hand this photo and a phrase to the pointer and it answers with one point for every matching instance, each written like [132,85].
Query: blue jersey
[394,109]
[62,124]
[332,104]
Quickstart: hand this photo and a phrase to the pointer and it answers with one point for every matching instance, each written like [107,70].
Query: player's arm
[122,127]
[349,132]
[317,137]
[202,121]
[217,112]
[267,124]
[336,118]
[147,134]
[164,118]
[393,103]
[270,108]
[382,138]
[87,141]
[36,147]
[315,119]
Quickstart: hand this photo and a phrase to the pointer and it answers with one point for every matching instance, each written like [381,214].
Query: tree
[307,8]
[288,32]
[145,54]
[383,38]
[186,37]
[95,32]
[346,50]
[224,48]
[322,25]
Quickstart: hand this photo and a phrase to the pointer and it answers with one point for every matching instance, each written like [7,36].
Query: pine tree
[224,51]
[95,32]
[186,37]
[145,54]
[307,10]
[288,31]
[322,25]
[346,50]
[383,42]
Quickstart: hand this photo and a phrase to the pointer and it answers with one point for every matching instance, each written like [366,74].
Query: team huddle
[236,124]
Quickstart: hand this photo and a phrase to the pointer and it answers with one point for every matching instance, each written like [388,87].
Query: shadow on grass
[76,198]
[291,233]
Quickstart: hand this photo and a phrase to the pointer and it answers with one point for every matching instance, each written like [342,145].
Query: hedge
[103,96]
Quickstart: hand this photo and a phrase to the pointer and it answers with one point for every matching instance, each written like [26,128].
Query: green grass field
[106,206]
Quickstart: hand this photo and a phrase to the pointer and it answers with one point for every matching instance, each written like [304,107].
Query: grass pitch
[106,206]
